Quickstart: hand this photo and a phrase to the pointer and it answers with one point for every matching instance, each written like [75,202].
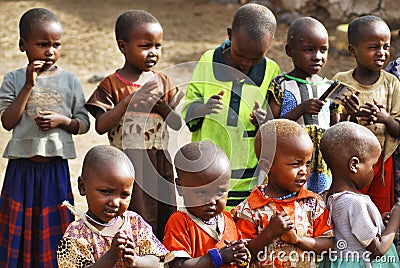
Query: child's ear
[81,186]
[121,46]
[351,49]
[265,164]
[288,50]
[229,31]
[354,164]
[21,45]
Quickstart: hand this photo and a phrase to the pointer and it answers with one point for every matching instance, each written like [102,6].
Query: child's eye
[158,46]
[106,192]
[125,195]
[221,193]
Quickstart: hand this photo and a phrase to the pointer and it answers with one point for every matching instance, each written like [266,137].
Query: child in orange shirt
[288,168]
[197,234]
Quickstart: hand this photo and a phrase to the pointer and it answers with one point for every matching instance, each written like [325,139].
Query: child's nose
[318,55]
[304,169]
[381,51]
[114,202]
[153,52]
[50,51]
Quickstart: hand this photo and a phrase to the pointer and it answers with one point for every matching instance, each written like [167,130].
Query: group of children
[263,147]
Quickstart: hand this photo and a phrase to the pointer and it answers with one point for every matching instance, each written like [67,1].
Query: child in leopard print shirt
[108,235]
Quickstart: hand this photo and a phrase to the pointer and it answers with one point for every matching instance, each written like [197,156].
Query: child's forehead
[145,27]
[44,28]
[202,178]
[377,29]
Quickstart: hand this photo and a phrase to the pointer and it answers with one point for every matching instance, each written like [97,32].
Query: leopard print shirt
[83,245]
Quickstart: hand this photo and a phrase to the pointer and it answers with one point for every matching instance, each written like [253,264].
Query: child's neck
[365,76]
[341,185]
[134,75]
[308,78]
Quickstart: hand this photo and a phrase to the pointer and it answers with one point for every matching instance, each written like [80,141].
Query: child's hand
[129,254]
[234,252]
[213,105]
[290,237]
[32,71]
[118,246]
[375,112]
[279,223]
[146,95]
[312,106]
[161,106]
[47,120]
[352,105]
[258,115]
[385,217]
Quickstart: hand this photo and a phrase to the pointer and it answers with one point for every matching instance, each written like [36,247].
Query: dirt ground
[89,47]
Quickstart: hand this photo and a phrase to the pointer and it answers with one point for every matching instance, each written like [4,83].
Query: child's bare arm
[105,121]
[380,245]
[172,118]
[275,108]
[13,113]
[316,244]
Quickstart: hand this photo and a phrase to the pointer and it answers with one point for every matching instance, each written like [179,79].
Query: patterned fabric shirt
[83,244]
[307,210]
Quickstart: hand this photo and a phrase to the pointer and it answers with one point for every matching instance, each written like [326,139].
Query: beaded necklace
[281,197]
[107,224]
[286,196]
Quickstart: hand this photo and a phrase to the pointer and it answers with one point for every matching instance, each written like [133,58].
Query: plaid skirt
[32,221]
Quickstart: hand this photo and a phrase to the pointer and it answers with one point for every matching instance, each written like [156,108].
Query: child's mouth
[300,183]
